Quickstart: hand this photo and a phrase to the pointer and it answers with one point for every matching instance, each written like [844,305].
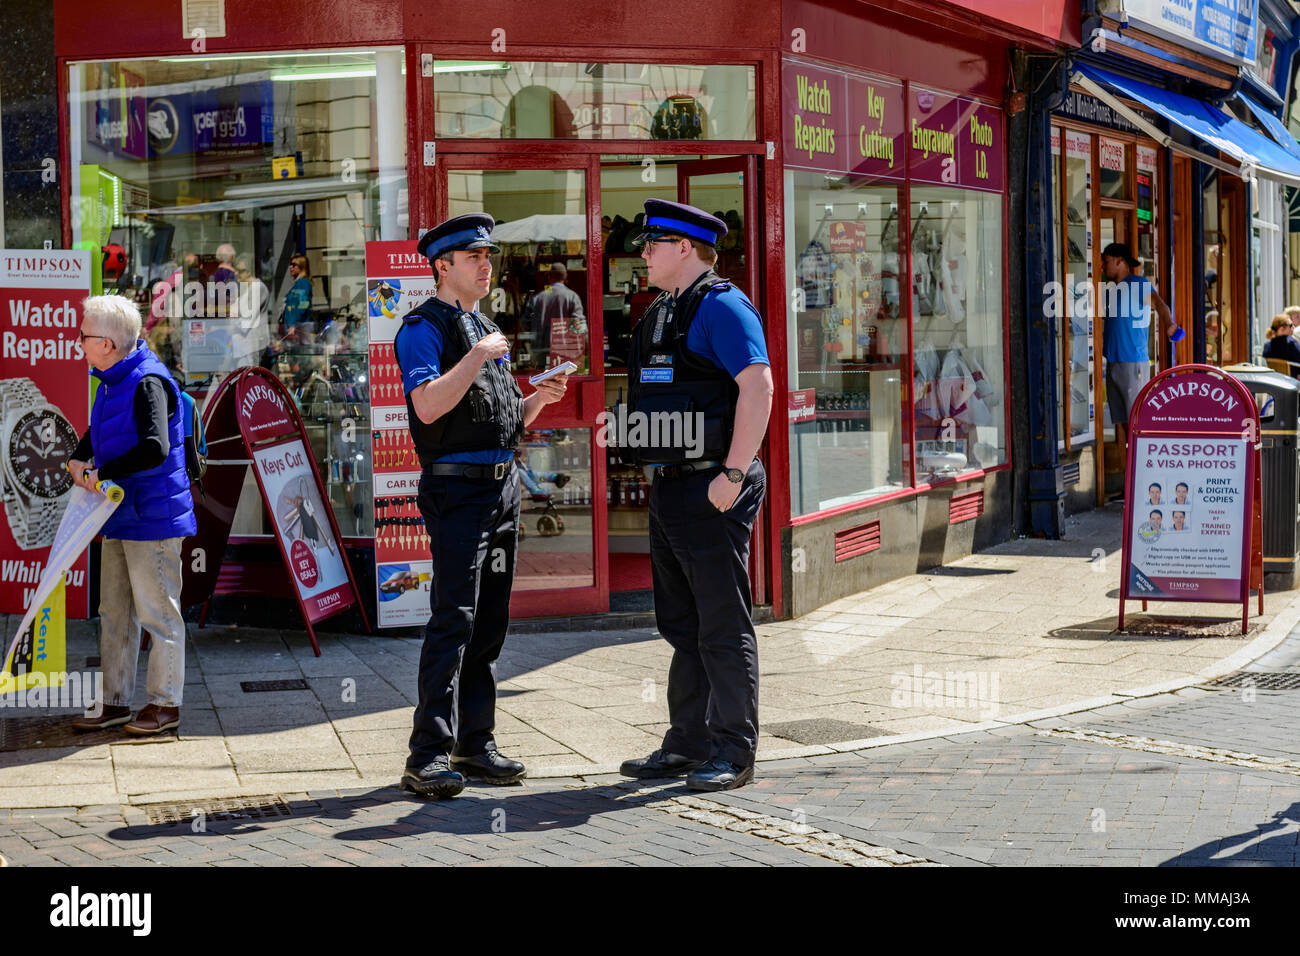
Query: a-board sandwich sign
[1190,489]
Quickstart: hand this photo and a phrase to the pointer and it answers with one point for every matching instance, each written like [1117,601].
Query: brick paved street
[1011,796]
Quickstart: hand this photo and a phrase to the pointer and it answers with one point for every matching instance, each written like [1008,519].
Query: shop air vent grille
[965,507]
[208,16]
[1070,473]
[862,539]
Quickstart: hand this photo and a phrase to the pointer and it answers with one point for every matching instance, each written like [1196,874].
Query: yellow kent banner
[37,654]
[40,658]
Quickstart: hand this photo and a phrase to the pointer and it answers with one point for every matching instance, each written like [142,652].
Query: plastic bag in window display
[889,285]
[957,392]
[925,390]
[952,273]
[983,387]
[815,276]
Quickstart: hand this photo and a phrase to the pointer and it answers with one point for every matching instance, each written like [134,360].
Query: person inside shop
[1128,301]
[559,321]
[1281,343]
[466,414]
[136,439]
[701,345]
[295,320]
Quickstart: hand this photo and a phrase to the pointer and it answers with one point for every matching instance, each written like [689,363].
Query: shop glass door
[542,295]
[718,186]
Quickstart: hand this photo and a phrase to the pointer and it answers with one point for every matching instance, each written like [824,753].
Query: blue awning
[1276,128]
[1211,126]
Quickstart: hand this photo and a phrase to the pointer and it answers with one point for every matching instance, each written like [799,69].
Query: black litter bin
[1278,398]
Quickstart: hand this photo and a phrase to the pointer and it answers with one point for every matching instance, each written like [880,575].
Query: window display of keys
[399,529]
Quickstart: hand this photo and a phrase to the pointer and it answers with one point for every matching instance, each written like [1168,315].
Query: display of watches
[734,475]
[36,441]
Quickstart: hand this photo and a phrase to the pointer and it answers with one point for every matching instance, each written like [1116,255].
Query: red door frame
[586,392]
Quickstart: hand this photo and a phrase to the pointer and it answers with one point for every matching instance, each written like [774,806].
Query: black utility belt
[690,468]
[481,472]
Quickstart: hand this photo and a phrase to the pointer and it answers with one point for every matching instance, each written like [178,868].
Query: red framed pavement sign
[252,407]
[1194,462]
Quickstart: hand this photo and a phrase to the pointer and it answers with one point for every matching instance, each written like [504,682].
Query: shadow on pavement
[1273,843]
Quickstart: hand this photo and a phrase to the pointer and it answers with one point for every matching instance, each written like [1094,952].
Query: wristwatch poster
[36,441]
[44,411]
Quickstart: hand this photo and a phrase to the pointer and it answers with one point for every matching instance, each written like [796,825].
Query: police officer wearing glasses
[699,352]
[466,414]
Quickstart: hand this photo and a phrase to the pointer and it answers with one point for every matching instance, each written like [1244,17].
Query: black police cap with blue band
[664,218]
[470,231]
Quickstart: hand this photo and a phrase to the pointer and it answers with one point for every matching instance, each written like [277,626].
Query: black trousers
[700,561]
[472,532]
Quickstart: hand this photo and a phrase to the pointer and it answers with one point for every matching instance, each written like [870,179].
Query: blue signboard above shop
[1222,28]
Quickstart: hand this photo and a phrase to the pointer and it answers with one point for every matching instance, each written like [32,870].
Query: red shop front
[262,138]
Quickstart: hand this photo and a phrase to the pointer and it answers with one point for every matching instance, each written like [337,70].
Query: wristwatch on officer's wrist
[734,475]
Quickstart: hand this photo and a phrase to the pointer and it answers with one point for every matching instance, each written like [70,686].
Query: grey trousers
[140,586]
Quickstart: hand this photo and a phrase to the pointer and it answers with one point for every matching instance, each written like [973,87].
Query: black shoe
[661,763]
[434,779]
[490,767]
[719,775]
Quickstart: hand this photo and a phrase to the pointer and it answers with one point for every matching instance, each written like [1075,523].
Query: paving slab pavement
[1024,630]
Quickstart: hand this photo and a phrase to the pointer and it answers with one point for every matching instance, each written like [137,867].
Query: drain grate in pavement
[821,730]
[249,808]
[259,686]
[30,733]
[1260,680]
[1139,625]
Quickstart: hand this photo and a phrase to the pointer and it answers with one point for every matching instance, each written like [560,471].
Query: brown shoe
[154,720]
[110,717]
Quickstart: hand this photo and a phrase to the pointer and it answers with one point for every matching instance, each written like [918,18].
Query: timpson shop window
[894,239]
[231,196]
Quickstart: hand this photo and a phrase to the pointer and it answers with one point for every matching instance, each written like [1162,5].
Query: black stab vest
[665,376]
[490,415]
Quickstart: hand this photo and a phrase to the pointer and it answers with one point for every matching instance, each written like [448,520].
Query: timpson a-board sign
[1192,492]
[253,420]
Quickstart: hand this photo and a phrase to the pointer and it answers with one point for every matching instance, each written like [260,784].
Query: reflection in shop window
[538,100]
[235,196]
[847,340]
[555,520]
[957,331]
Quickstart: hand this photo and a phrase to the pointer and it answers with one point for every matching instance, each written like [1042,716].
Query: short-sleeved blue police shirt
[1125,334]
[419,353]
[728,331]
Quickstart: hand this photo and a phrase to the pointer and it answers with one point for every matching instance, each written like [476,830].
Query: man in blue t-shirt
[1127,301]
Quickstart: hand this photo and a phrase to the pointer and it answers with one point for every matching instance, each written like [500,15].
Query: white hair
[116,317]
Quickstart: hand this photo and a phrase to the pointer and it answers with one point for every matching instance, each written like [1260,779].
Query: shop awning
[1276,128]
[1255,153]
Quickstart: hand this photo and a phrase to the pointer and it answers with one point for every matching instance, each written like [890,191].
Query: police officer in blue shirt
[466,414]
[698,361]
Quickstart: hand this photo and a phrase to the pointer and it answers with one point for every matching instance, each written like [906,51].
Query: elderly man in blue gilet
[136,439]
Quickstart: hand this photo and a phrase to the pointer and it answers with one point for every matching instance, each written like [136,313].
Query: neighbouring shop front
[858,157]
[1157,140]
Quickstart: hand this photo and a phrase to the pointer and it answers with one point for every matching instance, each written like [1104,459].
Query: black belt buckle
[500,469]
